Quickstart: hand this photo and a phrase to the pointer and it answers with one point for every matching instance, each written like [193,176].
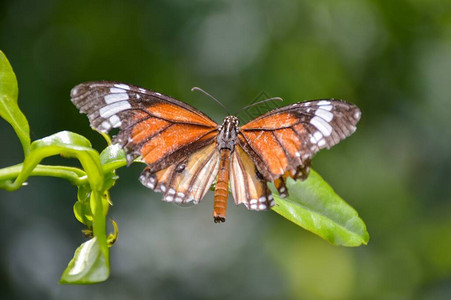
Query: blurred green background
[391,58]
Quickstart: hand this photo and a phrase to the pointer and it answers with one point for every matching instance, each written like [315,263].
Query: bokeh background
[391,58]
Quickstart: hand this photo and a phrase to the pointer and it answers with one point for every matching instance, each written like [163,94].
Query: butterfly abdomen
[226,142]
[222,187]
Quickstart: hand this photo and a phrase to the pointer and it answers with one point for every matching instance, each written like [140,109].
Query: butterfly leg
[222,187]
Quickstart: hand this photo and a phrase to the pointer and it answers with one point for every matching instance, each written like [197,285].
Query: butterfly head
[228,133]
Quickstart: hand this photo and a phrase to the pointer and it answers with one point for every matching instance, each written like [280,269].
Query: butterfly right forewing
[288,137]
[283,141]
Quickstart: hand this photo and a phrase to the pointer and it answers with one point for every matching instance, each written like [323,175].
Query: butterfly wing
[176,141]
[283,141]
[247,185]
[187,181]
[160,129]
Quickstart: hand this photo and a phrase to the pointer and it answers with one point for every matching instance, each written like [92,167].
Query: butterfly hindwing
[188,180]
[247,184]
[159,128]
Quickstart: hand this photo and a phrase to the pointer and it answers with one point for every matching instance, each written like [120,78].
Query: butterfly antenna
[208,95]
[259,102]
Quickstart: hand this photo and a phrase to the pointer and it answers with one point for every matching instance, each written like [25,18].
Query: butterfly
[185,151]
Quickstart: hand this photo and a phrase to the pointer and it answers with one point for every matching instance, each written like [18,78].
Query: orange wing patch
[171,139]
[174,113]
[148,128]
[289,140]
[271,122]
[269,149]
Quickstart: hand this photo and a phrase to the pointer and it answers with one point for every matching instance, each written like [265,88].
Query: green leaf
[9,108]
[64,139]
[87,266]
[113,154]
[313,205]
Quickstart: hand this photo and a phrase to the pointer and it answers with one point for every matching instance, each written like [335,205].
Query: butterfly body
[185,151]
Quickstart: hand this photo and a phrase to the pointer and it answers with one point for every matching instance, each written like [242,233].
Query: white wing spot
[262,206]
[321,125]
[158,94]
[316,137]
[254,206]
[116,90]
[322,143]
[115,121]
[106,125]
[326,115]
[327,107]
[112,98]
[113,108]
[253,201]
[324,102]
[147,182]
[74,92]
[122,86]
[357,115]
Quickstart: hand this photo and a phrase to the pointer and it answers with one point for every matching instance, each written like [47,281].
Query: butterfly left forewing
[159,128]
[101,100]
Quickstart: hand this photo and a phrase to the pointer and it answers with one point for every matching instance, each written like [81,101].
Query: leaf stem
[74,175]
